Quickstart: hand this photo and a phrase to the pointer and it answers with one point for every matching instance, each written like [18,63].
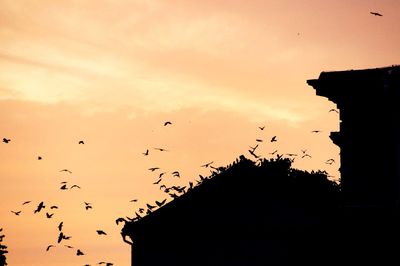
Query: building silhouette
[267,213]
[369,137]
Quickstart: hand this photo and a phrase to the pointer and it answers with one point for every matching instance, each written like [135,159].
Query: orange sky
[111,73]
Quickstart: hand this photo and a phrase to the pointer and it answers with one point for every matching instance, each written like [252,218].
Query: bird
[68,246]
[376,14]
[39,207]
[160,203]
[207,164]
[48,247]
[153,168]
[272,153]
[134,200]
[146,152]
[5,140]
[306,155]
[273,139]
[64,187]
[66,170]
[291,154]
[259,140]
[88,205]
[16,212]
[39,158]
[252,153]
[101,232]
[261,128]
[74,186]
[176,174]
[161,149]
[333,110]
[79,253]
[60,226]
[81,142]
[157,182]
[54,207]
[26,202]
[330,161]
[166,123]
[60,237]
[120,220]
[315,131]
[48,215]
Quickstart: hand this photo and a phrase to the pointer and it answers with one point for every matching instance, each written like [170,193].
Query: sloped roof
[244,188]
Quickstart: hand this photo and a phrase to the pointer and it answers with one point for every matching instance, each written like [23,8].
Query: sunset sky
[112,72]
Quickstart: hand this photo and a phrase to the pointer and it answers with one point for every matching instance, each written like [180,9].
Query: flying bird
[259,140]
[315,131]
[16,213]
[48,247]
[101,232]
[176,174]
[74,186]
[261,128]
[39,158]
[161,149]
[68,246]
[146,152]
[167,123]
[272,153]
[273,139]
[330,161]
[66,170]
[60,226]
[54,207]
[64,187]
[81,142]
[39,207]
[153,168]
[6,140]
[79,253]
[48,215]
[134,200]
[120,220]
[88,205]
[157,182]
[207,164]
[306,155]
[376,14]
[333,110]
[160,203]
[26,202]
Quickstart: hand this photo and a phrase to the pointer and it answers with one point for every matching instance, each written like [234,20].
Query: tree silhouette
[3,250]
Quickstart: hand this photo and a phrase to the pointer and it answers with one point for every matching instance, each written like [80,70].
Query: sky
[112,72]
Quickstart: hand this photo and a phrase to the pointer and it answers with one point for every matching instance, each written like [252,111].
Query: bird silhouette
[207,164]
[39,207]
[54,207]
[66,170]
[26,202]
[6,140]
[146,152]
[48,247]
[39,158]
[87,207]
[157,182]
[176,174]
[68,246]
[134,200]
[48,215]
[167,123]
[261,128]
[273,139]
[160,203]
[79,253]
[259,140]
[316,131]
[120,220]
[376,14]
[81,142]
[330,161]
[64,187]
[74,186]
[101,232]
[272,153]
[60,226]
[306,155]
[16,212]
[153,168]
[160,149]
[333,110]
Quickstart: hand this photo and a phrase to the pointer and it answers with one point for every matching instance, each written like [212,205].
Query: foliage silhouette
[3,249]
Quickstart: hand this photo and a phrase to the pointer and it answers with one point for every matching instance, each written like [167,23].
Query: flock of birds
[173,191]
